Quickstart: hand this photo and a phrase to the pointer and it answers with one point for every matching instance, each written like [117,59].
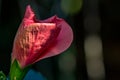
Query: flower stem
[16,73]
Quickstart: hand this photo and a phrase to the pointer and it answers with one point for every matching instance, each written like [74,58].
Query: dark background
[11,14]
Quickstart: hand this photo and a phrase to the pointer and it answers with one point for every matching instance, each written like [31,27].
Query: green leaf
[71,6]
[16,73]
[2,76]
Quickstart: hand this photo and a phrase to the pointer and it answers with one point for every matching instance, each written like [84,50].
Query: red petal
[45,34]
[63,40]
[60,44]
[28,17]
[29,14]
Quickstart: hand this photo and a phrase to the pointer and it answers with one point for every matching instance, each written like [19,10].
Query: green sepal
[17,73]
[2,76]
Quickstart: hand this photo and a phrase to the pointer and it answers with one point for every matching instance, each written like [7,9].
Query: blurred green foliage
[71,6]
[2,76]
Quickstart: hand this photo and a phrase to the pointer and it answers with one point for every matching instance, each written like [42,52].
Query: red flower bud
[39,39]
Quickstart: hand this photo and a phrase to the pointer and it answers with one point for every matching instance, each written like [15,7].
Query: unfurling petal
[39,39]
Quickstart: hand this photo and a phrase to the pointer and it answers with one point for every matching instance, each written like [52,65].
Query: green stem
[16,73]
